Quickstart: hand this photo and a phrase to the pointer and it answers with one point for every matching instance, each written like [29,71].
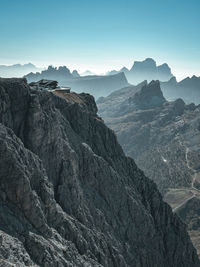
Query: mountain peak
[150,60]
[147,63]
[194,77]
[124,69]
[30,65]
[148,70]
[173,80]
[149,96]
[75,73]
[165,67]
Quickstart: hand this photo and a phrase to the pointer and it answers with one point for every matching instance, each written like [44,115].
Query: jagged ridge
[69,196]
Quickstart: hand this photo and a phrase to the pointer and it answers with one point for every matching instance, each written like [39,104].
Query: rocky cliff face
[150,96]
[68,194]
[163,138]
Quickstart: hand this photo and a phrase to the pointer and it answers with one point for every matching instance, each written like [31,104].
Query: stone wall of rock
[68,194]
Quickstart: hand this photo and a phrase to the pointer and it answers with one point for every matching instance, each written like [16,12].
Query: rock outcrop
[163,138]
[150,96]
[44,84]
[68,194]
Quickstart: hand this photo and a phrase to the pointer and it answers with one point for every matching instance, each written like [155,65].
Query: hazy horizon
[101,36]
[98,71]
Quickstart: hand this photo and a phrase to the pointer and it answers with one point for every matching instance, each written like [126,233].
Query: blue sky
[101,35]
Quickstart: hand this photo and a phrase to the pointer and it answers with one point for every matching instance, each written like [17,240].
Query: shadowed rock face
[17,70]
[150,96]
[68,194]
[164,139]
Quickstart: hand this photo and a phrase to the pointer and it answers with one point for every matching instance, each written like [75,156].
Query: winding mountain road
[192,188]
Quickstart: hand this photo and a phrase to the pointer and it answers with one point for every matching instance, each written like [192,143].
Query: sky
[101,35]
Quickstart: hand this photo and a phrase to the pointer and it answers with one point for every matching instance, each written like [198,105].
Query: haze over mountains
[187,89]
[164,139]
[93,84]
[146,70]
[102,85]
[17,70]
[87,73]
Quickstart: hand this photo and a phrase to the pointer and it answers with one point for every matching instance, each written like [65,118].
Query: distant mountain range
[188,89]
[102,85]
[145,70]
[163,138]
[93,84]
[17,70]
[87,73]
[53,73]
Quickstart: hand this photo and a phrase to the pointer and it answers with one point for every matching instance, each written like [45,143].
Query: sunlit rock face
[164,139]
[68,194]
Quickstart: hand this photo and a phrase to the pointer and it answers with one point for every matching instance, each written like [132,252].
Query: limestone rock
[164,139]
[68,194]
